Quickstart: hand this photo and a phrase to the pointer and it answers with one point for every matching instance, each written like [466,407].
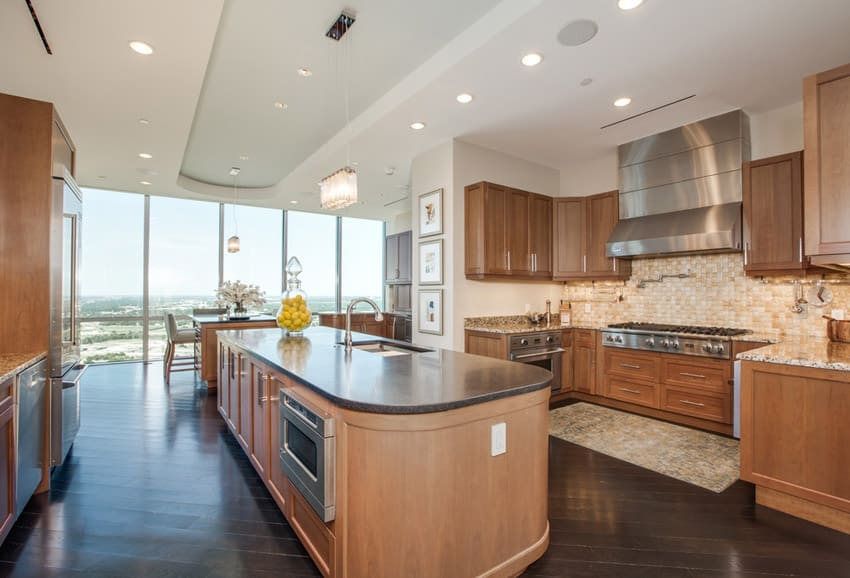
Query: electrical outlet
[587,308]
[498,439]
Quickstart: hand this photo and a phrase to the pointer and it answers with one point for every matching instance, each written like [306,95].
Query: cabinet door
[584,361]
[243,408]
[568,248]
[540,235]
[495,234]
[372,327]
[223,381]
[7,461]
[405,257]
[259,442]
[276,477]
[826,135]
[773,214]
[391,270]
[516,229]
[567,360]
[602,217]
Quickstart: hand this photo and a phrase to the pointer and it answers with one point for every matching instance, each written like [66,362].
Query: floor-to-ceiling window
[312,238]
[147,255]
[362,259]
[112,275]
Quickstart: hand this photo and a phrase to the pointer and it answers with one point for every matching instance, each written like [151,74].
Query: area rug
[700,458]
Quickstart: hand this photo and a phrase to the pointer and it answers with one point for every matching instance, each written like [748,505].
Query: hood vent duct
[681,190]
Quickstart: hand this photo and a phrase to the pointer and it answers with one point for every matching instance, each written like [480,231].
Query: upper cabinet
[826,133]
[582,226]
[508,233]
[399,257]
[773,216]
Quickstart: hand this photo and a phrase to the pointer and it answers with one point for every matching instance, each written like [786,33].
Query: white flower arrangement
[239,295]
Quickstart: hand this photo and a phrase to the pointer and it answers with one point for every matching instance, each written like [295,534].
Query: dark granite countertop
[433,381]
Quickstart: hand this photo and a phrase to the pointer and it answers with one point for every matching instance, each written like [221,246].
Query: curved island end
[402,466]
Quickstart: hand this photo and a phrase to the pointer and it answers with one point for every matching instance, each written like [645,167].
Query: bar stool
[176,337]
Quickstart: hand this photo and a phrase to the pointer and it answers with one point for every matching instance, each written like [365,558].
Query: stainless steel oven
[308,452]
[540,349]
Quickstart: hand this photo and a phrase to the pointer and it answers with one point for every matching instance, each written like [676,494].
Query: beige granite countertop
[12,363]
[817,352]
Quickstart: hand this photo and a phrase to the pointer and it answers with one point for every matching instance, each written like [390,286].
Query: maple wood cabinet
[581,227]
[567,360]
[508,233]
[584,360]
[826,135]
[398,265]
[360,322]
[773,216]
[7,458]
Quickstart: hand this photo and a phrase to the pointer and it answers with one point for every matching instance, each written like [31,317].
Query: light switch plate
[498,439]
[587,308]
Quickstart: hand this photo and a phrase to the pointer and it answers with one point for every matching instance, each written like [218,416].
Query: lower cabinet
[360,322]
[260,441]
[7,459]
[313,532]
[276,480]
[584,360]
[567,360]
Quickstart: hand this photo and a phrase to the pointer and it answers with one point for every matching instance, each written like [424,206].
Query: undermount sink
[386,348]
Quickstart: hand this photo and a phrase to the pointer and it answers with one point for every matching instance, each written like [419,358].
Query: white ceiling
[220,64]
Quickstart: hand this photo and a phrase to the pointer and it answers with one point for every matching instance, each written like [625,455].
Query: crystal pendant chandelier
[339,189]
[233,241]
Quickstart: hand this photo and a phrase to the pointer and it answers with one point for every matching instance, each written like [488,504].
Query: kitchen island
[207,326]
[795,437]
[421,482]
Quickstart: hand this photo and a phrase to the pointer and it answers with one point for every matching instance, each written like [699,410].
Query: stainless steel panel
[703,192]
[30,409]
[716,228]
[702,162]
[728,126]
[65,413]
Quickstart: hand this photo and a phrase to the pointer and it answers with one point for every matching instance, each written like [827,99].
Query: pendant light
[233,241]
[339,189]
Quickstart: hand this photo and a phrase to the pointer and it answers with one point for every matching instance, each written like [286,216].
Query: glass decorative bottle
[294,314]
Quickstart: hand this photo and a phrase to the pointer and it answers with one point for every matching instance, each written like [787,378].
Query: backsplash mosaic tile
[716,293]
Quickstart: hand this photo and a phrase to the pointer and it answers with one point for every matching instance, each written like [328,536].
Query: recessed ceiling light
[417,125]
[146,183]
[293,202]
[243,157]
[146,155]
[141,47]
[532,59]
[144,121]
[464,98]
[101,177]
[305,72]
[624,101]
[586,82]
[281,105]
[628,4]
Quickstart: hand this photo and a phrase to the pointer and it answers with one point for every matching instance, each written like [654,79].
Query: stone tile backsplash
[717,293]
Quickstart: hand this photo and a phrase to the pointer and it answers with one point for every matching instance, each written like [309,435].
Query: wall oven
[541,349]
[308,452]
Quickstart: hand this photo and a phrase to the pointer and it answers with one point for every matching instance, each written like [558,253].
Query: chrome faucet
[378,317]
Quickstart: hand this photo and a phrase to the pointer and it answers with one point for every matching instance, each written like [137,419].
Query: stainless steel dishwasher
[30,409]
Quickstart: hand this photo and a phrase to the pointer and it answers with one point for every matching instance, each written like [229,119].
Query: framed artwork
[431,262]
[431,311]
[431,213]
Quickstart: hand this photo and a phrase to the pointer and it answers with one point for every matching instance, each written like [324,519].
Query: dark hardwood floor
[156,486]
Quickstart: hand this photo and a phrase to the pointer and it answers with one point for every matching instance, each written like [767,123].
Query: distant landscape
[112,325]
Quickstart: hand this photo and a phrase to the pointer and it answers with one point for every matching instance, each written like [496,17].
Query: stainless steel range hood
[680,190]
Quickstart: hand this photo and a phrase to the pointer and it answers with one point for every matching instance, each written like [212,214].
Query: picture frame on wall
[431,213]
[430,311]
[431,262]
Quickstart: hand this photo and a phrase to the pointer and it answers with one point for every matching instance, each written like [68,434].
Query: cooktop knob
[675,344]
[707,348]
[550,339]
[665,343]
[609,338]
[523,341]
[619,339]
[650,342]
[718,349]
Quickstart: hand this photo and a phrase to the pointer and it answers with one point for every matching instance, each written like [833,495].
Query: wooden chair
[176,337]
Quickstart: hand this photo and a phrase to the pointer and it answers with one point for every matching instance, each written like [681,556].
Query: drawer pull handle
[686,402]
[632,391]
[696,375]
[629,366]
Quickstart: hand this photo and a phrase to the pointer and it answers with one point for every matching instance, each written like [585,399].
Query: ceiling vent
[38,27]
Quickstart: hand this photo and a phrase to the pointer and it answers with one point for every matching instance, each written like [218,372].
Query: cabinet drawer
[314,534]
[697,403]
[705,375]
[632,392]
[631,365]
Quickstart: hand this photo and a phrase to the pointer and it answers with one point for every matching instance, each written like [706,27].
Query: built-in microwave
[308,451]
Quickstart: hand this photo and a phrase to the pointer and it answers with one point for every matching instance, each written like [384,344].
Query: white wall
[400,223]
[472,164]
[777,131]
[429,171]
[585,178]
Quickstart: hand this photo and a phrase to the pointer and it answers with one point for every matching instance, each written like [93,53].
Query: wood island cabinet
[773,216]
[581,228]
[360,322]
[508,233]
[826,136]
[398,266]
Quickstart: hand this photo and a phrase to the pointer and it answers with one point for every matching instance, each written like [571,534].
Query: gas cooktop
[682,339]
[686,329]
